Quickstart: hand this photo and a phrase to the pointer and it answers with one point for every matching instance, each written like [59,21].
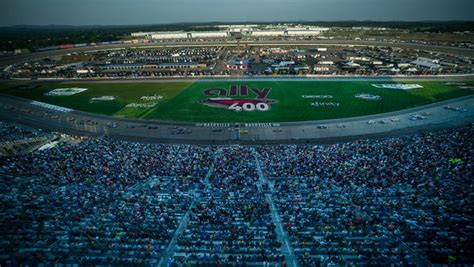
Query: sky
[129,12]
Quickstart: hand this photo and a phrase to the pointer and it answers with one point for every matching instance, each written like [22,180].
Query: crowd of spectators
[372,201]
[231,224]
[397,201]
[12,132]
[96,201]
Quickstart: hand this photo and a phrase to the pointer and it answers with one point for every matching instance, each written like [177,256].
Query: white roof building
[432,64]
[169,35]
[226,30]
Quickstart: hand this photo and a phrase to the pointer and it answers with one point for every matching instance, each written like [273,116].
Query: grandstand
[193,137]
[226,31]
[403,201]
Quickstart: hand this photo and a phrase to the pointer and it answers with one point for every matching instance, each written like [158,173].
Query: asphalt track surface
[20,110]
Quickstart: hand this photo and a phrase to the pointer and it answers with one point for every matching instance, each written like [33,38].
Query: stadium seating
[394,202]
[233,222]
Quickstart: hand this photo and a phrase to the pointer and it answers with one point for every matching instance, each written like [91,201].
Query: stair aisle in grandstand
[286,248]
[232,221]
[403,201]
[171,248]
[106,208]
[320,230]
[87,241]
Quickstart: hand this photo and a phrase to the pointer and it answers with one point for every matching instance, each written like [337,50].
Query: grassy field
[181,101]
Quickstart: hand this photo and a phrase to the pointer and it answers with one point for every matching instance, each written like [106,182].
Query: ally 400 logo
[232,98]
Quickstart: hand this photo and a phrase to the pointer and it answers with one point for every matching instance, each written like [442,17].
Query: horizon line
[238,22]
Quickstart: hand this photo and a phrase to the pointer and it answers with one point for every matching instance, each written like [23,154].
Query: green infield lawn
[182,101]
[124,93]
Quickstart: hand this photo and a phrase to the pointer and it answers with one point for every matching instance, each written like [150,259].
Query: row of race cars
[235,127]
[91,122]
[174,129]
[412,117]
[419,116]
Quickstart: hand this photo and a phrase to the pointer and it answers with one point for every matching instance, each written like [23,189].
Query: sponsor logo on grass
[454,83]
[317,96]
[368,97]
[141,105]
[397,86]
[102,98]
[233,98]
[146,103]
[325,104]
[151,97]
[65,91]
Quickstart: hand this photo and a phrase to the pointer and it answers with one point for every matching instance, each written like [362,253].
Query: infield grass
[181,100]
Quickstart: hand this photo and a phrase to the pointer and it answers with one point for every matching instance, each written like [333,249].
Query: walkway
[286,248]
[171,248]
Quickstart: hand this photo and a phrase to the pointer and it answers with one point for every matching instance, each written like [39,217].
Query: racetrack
[22,111]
